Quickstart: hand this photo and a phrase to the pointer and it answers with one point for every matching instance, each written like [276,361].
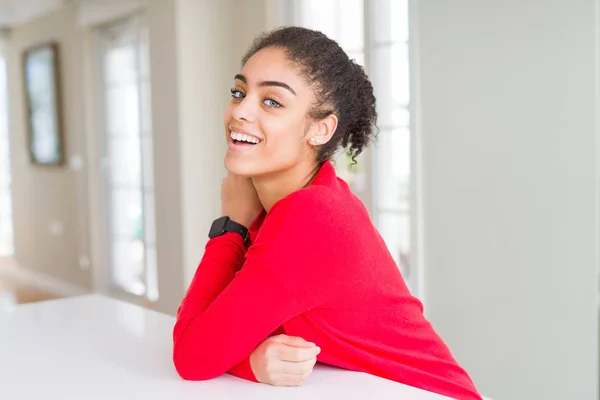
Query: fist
[239,200]
[284,360]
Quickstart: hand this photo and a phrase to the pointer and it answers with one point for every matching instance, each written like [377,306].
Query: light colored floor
[15,291]
[21,292]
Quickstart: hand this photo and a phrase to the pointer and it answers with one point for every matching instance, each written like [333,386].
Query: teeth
[243,137]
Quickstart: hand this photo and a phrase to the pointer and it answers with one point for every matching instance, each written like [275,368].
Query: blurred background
[483,181]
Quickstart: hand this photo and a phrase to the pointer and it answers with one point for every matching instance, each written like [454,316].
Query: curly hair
[340,85]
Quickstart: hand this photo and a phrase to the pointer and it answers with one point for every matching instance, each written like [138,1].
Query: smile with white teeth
[241,137]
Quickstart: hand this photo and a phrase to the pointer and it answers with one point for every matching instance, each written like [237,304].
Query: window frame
[5,164]
[290,13]
[133,24]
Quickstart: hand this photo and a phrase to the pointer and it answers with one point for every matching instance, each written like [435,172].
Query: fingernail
[318,350]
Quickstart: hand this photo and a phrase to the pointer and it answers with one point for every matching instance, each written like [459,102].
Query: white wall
[50,203]
[205,64]
[165,126]
[73,198]
[508,110]
[211,37]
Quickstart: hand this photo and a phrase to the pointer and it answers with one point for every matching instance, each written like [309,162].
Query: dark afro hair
[340,85]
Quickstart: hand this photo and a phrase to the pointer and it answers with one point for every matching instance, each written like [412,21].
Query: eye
[271,103]
[237,94]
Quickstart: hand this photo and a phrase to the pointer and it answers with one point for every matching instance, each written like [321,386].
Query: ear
[320,132]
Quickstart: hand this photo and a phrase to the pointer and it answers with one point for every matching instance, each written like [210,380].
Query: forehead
[271,64]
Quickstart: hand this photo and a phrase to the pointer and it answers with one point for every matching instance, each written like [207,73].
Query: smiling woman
[311,279]
[271,112]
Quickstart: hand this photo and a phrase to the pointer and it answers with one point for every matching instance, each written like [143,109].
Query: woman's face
[266,121]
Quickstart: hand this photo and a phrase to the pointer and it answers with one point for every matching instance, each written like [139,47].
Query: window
[6,220]
[128,157]
[392,155]
[375,34]
[343,21]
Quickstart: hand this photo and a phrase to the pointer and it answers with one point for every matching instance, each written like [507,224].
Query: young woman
[312,279]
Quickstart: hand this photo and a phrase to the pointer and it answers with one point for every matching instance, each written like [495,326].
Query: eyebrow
[268,83]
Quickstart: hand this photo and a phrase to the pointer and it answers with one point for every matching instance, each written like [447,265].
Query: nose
[245,110]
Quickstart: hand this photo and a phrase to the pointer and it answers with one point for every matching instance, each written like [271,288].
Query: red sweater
[317,268]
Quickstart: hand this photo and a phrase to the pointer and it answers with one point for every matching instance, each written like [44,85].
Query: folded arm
[277,283]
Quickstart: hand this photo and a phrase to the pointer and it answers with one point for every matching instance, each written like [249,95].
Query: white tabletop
[93,347]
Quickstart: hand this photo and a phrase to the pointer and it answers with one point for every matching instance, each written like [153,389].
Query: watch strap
[225,224]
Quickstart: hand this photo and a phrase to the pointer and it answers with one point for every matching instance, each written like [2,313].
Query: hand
[284,360]
[239,200]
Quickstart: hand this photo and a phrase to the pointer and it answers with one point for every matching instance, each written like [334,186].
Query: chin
[238,167]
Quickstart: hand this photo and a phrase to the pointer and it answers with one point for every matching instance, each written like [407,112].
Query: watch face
[218,227]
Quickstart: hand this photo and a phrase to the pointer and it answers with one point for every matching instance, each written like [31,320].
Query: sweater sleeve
[213,336]
[223,257]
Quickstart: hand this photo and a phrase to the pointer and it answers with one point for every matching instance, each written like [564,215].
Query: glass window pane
[146,110]
[395,230]
[400,117]
[5,204]
[390,20]
[122,109]
[120,65]
[144,53]
[5,224]
[125,162]
[355,175]
[392,156]
[4,144]
[126,214]
[320,15]
[358,56]
[6,235]
[4,179]
[6,217]
[151,274]
[148,162]
[149,220]
[6,227]
[390,74]
[129,150]
[128,265]
[351,20]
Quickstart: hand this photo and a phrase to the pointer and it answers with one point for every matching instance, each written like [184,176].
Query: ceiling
[15,12]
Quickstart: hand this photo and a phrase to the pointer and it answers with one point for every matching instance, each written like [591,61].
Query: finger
[297,368]
[288,381]
[281,381]
[295,341]
[293,380]
[292,341]
[297,354]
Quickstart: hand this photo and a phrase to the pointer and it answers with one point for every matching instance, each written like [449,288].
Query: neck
[273,187]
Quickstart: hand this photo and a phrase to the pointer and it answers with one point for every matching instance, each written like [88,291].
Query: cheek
[228,112]
[284,137]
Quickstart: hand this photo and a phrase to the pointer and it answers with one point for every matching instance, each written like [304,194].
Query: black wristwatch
[224,224]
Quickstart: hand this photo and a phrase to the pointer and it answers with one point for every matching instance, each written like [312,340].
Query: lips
[241,141]
[242,137]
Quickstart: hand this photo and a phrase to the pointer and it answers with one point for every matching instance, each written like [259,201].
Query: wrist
[244,220]
[225,224]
